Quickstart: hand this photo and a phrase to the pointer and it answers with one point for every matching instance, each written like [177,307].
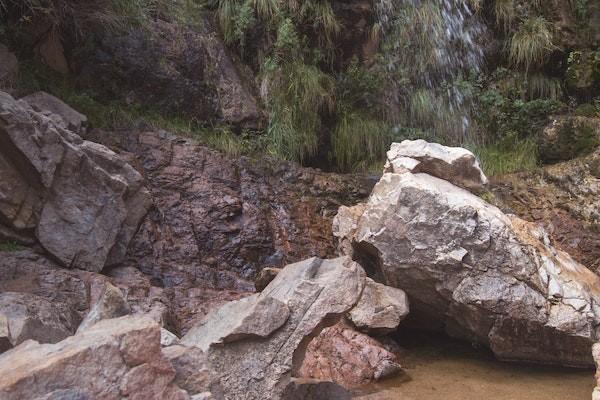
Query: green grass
[10,246]
[532,43]
[510,155]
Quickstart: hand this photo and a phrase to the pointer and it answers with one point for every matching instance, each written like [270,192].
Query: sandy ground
[446,370]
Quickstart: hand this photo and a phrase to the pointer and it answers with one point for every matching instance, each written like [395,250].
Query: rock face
[218,221]
[171,67]
[380,308]
[477,272]
[82,201]
[565,199]
[454,164]
[45,103]
[568,137]
[115,358]
[314,290]
[596,354]
[348,358]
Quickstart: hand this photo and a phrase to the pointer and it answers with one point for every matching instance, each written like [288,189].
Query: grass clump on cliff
[532,43]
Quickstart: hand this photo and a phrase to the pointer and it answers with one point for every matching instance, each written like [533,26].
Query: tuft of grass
[359,141]
[508,156]
[532,43]
[10,246]
[505,13]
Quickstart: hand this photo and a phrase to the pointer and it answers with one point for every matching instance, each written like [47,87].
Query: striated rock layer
[472,270]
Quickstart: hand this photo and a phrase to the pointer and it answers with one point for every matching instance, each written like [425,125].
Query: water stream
[438,368]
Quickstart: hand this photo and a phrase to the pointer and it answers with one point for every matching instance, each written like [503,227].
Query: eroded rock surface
[52,184]
[565,199]
[477,272]
[111,304]
[347,357]
[69,118]
[315,291]
[218,221]
[115,358]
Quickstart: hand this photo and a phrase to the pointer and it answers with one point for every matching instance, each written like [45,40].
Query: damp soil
[436,367]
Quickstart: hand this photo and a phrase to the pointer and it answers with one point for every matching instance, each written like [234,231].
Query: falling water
[443,46]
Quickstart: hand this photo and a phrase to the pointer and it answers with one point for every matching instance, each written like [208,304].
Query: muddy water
[440,369]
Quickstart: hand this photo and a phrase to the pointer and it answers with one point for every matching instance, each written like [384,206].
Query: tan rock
[114,358]
[380,308]
[111,304]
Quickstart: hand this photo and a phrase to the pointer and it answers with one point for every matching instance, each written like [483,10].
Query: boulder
[454,164]
[111,304]
[477,273]
[33,317]
[5,342]
[43,102]
[348,358]
[115,358]
[380,308]
[168,338]
[51,182]
[9,66]
[315,291]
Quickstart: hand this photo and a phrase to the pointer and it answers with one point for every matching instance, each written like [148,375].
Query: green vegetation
[10,246]
[507,156]
[532,43]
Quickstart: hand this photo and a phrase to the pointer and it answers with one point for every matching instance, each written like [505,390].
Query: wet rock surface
[476,272]
[218,221]
[51,187]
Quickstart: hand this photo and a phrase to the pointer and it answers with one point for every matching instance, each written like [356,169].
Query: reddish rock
[347,357]
[218,221]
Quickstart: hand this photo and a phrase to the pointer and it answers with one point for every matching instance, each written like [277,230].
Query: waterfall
[430,45]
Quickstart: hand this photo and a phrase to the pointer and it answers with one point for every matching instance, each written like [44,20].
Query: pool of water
[443,369]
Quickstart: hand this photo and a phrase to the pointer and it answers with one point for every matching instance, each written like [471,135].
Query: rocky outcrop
[348,358]
[596,355]
[116,358]
[218,221]
[568,137]
[192,372]
[453,164]
[477,273]
[380,308]
[172,67]
[314,290]
[82,201]
[564,198]
[53,107]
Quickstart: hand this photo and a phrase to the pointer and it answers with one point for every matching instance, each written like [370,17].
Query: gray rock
[253,316]
[32,317]
[168,338]
[454,164]
[478,273]
[43,102]
[111,304]
[115,358]
[596,355]
[192,371]
[9,66]
[380,308]
[83,211]
[314,291]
